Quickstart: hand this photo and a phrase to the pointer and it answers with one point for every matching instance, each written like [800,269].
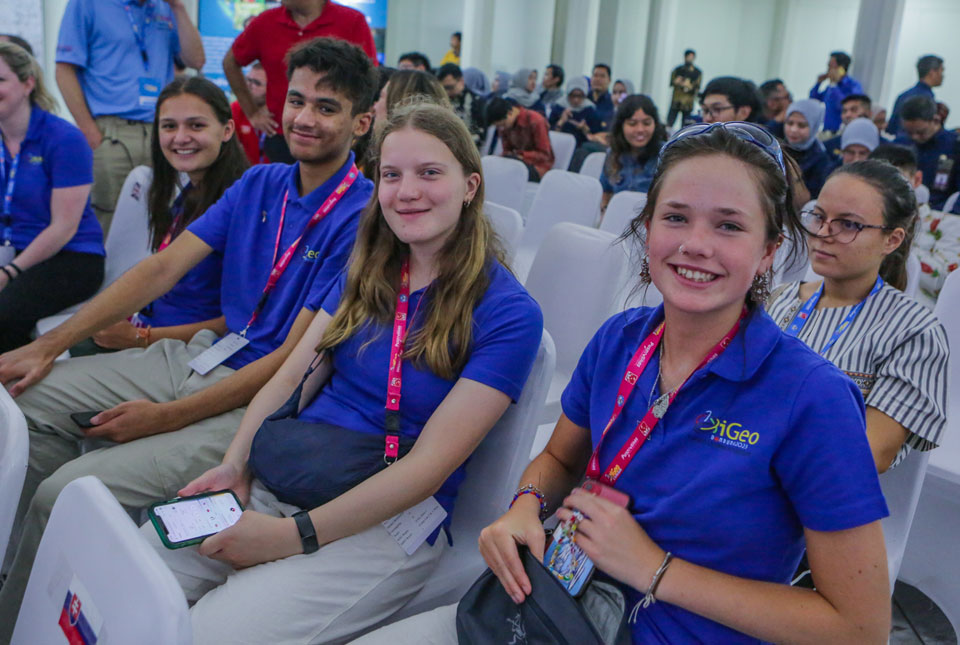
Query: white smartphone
[185,521]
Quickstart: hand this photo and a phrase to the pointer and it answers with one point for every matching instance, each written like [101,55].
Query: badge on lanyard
[149,91]
[219,352]
[944,168]
[412,527]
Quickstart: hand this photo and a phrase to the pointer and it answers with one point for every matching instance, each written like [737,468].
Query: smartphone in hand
[185,521]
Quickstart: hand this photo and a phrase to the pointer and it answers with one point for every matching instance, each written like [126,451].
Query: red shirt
[248,137]
[529,139]
[270,36]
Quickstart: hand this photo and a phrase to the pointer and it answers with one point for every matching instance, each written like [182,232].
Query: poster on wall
[220,21]
[24,18]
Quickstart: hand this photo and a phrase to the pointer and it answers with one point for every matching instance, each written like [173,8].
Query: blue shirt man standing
[841,86]
[930,72]
[113,58]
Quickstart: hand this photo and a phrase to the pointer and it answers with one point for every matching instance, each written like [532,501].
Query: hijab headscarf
[860,131]
[476,81]
[627,84]
[813,111]
[576,83]
[503,83]
[518,89]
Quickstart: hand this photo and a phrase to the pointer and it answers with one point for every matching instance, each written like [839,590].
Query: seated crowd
[324,321]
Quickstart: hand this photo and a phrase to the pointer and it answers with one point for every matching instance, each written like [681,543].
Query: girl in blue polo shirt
[318,565]
[51,246]
[193,138]
[736,444]
[635,140]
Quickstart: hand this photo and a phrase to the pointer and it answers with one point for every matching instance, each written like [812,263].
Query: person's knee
[46,496]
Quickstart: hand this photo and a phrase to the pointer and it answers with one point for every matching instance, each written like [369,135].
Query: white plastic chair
[930,560]
[508,225]
[575,278]
[562,196]
[951,201]
[913,276]
[621,210]
[14,449]
[787,268]
[564,144]
[93,549]
[593,164]
[505,181]
[492,476]
[901,487]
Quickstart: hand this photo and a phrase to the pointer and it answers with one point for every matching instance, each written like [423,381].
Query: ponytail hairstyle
[774,189]
[899,211]
[619,145]
[444,340]
[25,66]
[226,169]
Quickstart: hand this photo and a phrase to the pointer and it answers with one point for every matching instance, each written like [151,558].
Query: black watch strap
[308,534]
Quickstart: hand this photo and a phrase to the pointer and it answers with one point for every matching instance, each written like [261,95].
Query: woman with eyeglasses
[803,124]
[859,319]
[737,445]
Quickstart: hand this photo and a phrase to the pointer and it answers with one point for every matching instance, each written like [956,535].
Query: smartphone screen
[189,520]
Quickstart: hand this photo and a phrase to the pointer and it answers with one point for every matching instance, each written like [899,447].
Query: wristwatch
[308,534]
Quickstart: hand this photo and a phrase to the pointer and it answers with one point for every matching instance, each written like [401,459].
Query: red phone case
[618,497]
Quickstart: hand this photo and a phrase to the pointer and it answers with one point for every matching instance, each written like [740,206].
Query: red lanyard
[281,266]
[394,377]
[635,368]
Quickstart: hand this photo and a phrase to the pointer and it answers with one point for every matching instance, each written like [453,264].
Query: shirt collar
[35,127]
[325,17]
[748,350]
[314,200]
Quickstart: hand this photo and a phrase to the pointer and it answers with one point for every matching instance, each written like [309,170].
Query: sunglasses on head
[749,132]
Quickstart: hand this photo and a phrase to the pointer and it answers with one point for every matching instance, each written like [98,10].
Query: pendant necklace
[662,404]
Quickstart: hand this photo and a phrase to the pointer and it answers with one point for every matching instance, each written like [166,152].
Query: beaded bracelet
[530,489]
[649,598]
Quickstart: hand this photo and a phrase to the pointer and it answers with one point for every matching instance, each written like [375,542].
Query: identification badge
[7,253]
[149,91]
[412,527]
[217,353]
[944,168]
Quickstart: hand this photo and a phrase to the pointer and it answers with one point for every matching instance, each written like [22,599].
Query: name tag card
[219,352]
[412,527]
[7,254]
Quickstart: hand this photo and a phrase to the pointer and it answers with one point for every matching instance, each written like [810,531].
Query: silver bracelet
[649,598]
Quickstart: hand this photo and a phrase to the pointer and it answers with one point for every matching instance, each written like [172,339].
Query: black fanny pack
[307,464]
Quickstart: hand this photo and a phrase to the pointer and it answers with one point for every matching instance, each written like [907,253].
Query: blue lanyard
[804,315]
[138,34]
[11,181]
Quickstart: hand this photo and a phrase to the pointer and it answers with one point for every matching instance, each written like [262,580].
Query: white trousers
[329,596]
[437,627]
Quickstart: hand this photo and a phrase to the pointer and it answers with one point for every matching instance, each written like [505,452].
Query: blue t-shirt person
[633,174]
[765,441]
[54,154]
[242,226]
[586,114]
[116,77]
[833,97]
[507,328]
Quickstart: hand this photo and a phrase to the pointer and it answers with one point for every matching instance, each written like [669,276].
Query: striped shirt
[895,351]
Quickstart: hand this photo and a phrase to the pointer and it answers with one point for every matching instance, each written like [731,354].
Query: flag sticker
[79,618]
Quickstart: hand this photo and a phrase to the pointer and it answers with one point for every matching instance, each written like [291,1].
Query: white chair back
[93,559]
[622,208]
[791,262]
[945,460]
[505,181]
[949,204]
[564,144]
[492,476]
[593,164]
[901,487]
[14,449]
[128,240]
[508,225]
[913,276]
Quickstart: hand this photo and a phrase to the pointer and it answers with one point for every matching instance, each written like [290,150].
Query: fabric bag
[487,615]
[340,458]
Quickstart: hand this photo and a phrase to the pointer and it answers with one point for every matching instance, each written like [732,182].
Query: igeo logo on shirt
[725,433]
[309,255]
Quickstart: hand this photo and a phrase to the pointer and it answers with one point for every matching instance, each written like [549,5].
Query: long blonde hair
[24,66]
[444,340]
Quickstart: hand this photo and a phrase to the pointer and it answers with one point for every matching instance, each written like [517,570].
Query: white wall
[929,27]
[522,35]
[421,25]
[629,46]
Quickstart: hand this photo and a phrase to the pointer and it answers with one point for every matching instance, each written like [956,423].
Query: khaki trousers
[126,145]
[437,627]
[138,473]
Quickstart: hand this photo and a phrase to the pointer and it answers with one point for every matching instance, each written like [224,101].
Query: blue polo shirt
[507,327]
[54,154]
[920,89]
[944,142]
[97,37]
[605,109]
[633,174]
[767,439]
[833,98]
[242,226]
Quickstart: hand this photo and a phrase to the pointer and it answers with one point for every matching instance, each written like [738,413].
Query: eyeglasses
[842,230]
[749,132]
[714,110]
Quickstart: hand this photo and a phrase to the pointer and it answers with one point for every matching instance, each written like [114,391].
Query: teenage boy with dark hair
[930,74]
[285,233]
[600,94]
[840,86]
[685,81]
[552,85]
[855,106]
[467,105]
[525,135]
[728,98]
[938,149]
[414,60]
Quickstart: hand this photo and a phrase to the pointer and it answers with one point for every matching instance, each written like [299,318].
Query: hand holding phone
[83,419]
[185,521]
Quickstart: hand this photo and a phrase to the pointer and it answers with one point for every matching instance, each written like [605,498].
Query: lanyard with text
[176,209]
[394,376]
[635,368]
[798,322]
[11,180]
[139,35]
[280,266]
